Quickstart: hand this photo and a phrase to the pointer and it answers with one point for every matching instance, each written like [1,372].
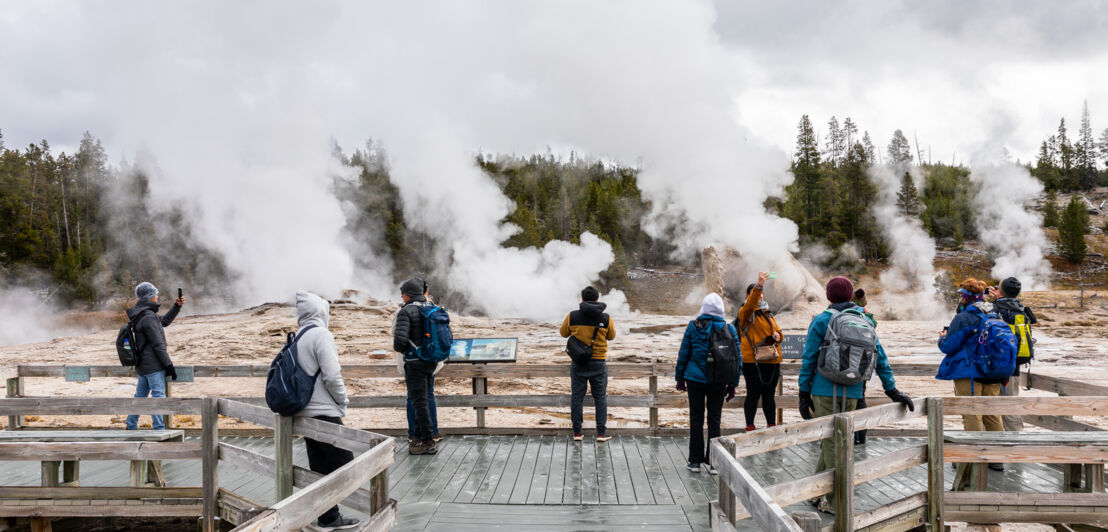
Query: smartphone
[772,275]
[180,293]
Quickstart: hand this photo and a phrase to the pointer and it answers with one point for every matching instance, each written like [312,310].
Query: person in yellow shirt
[592,326]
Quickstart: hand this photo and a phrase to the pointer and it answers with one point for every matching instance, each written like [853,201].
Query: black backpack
[724,359]
[288,389]
[126,346]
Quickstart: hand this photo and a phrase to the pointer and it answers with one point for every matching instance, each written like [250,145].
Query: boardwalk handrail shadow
[741,496]
[292,511]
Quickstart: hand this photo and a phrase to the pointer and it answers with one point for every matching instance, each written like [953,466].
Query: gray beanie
[413,287]
[146,291]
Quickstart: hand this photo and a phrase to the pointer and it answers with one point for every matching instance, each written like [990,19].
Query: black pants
[324,458]
[595,376]
[418,375]
[860,436]
[761,383]
[701,396]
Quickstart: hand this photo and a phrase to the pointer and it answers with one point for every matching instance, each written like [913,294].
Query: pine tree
[1064,150]
[871,151]
[1085,151]
[1050,209]
[802,206]
[1044,169]
[907,199]
[899,151]
[849,135]
[1071,231]
[832,148]
[1102,146]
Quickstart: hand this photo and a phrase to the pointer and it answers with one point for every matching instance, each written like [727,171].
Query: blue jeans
[431,405]
[152,385]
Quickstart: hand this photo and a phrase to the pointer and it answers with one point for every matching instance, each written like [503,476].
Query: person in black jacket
[407,335]
[1009,307]
[153,364]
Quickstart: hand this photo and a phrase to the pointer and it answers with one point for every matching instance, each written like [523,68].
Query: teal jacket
[811,381]
[692,359]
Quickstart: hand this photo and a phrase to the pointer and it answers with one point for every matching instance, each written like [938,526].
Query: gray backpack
[849,349]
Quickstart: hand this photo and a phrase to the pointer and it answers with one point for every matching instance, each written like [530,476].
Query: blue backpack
[994,357]
[437,337]
[287,387]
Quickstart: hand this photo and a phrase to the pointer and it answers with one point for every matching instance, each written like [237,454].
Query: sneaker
[427,447]
[342,523]
[710,469]
[578,436]
[996,467]
[751,428]
[602,438]
[694,467]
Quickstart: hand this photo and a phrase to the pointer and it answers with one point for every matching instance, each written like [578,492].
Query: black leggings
[761,383]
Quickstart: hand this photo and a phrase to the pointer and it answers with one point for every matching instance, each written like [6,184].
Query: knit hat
[1011,287]
[860,297]
[146,291]
[839,289]
[712,305]
[414,287]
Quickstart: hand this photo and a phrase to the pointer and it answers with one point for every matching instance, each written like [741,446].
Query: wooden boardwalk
[553,483]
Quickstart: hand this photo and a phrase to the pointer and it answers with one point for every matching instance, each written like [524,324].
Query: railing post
[168,418]
[282,456]
[379,488]
[15,389]
[654,396]
[844,472]
[780,392]
[480,387]
[808,521]
[209,436]
[727,501]
[935,481]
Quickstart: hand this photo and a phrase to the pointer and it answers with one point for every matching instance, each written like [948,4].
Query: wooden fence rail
[741,497]
[292,511]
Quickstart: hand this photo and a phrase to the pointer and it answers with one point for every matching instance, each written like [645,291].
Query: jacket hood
[311,310]
[842,306]
[1007,303]
[142,306]
[593,309]
[712,305]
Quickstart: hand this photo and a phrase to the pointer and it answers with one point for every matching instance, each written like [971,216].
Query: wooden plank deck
[552,483]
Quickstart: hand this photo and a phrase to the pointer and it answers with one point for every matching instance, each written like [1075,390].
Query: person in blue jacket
[691,374]
[958,343]
[816,392]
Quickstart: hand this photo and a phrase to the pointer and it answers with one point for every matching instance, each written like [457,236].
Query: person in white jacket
[315,351]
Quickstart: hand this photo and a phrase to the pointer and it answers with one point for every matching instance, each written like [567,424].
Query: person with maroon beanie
[818,396]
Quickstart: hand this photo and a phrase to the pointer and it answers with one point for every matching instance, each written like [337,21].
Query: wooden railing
[741,496]
[374,454]
[658,397]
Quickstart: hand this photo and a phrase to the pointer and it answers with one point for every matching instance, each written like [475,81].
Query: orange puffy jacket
[757,326]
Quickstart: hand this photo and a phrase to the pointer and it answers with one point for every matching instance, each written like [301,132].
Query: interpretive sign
[483,350]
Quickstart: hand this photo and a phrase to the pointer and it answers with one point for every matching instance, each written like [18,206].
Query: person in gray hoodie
[315,351]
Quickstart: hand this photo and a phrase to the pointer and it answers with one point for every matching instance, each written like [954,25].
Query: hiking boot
[341,523]
[824,505]
[577,436]
[436,438]
[751,428]
[711,470]
[412,441]
[426,447]
[694,467]
[601,438]
[996,467]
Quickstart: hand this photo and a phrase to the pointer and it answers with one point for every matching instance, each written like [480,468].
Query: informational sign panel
[76,374]
[793,346]
[184,373]
[483,350]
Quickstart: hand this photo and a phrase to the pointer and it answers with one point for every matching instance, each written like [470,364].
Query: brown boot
[426,447]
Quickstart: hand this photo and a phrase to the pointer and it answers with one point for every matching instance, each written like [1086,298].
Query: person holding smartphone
[154,364]
[760,338]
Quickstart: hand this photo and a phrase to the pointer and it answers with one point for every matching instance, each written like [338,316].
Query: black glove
[730,393]
[171,373]
[898,397]
[681,386]
[806,406]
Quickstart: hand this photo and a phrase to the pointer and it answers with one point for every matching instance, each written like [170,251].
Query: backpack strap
[295,340]
[132,323]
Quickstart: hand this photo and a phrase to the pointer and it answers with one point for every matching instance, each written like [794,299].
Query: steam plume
[1011,231]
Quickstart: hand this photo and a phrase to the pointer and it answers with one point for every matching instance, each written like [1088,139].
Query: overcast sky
[962,76]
